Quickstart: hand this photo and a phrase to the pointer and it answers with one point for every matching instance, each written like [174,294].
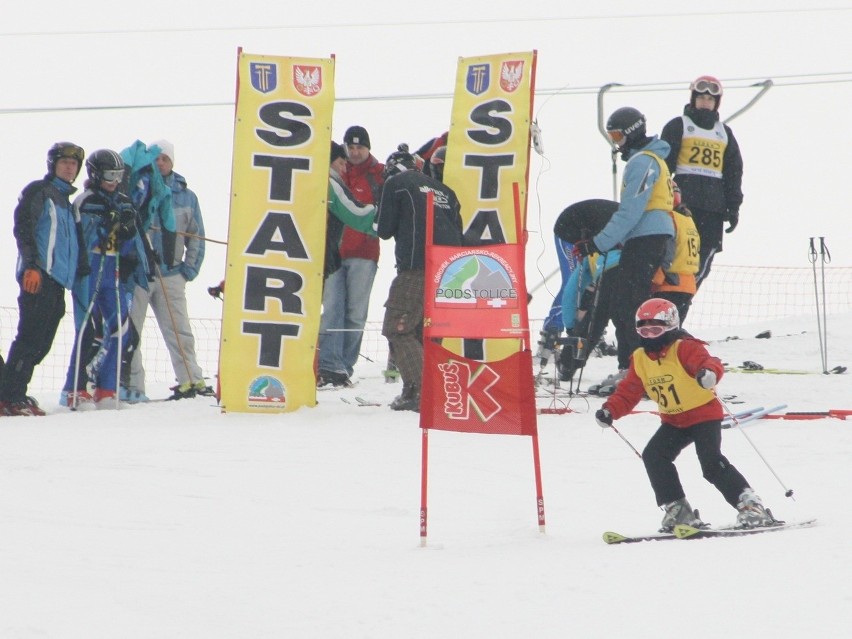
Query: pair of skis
[682,531]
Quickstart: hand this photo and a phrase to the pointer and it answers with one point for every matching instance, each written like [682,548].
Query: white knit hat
[166,148]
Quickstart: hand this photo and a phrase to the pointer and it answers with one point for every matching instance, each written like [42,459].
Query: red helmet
[655,317]
[706,84]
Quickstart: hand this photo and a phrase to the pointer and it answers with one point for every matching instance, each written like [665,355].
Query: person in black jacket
[47,233]
[402,216]
[706,163]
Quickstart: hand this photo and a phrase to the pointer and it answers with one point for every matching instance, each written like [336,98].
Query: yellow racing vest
[679,276]
[702,151]
[668,384]
[662,195]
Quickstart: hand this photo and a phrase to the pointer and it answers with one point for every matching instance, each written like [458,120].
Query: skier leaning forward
[676,371]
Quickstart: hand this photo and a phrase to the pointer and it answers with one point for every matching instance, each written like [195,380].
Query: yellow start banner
[276,233]
[488,152]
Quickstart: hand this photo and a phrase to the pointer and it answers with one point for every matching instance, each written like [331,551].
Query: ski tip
[613,537]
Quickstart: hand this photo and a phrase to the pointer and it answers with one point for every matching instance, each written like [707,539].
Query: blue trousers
[345,302]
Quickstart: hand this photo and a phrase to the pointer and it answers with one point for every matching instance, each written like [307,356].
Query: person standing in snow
[676,371]
[641,225]
[50,256]
[708,167]
[346,294]
[167,295]
[402,216]
[116,255]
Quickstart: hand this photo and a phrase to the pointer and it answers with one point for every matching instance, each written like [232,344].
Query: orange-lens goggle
[617,137]
[708,86]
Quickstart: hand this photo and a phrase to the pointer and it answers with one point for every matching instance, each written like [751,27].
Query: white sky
[85,60]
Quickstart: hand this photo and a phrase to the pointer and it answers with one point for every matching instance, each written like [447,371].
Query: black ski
[688,532]
[617,538]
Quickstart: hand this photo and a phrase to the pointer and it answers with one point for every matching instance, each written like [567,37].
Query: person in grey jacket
[641,227]
[167,295]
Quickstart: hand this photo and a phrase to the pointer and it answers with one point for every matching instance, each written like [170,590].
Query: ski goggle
[71,151]
[112,175]
[651,331]
[707,86]
[617,137]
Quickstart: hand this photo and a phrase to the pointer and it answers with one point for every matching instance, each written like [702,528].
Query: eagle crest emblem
[307,79]
[511,74]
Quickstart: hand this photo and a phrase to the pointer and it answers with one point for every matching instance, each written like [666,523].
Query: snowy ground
[173,520]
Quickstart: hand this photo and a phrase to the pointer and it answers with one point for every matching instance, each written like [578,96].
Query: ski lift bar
[602,129]
[765,86]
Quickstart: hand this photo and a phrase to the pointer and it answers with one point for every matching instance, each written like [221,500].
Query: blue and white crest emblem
[478,78]
[264,76]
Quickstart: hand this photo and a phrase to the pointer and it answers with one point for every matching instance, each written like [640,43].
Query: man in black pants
[642,225]
[402,216]
[50,255]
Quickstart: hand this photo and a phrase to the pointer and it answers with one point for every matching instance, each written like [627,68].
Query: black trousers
[631,285]
[38,318]
[665,446]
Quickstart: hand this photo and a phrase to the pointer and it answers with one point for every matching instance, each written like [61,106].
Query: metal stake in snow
[788,492]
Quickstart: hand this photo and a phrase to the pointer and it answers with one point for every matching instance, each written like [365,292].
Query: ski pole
[624,439]
[825,257]
[812,257]
[788,492]
[118,331]
[82,329]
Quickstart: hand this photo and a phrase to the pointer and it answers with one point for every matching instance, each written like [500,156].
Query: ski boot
[751,513]
[680,512]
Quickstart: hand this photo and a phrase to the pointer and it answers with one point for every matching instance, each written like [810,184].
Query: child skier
[676,371]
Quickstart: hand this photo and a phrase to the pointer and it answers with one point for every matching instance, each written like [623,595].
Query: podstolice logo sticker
[266,392]
[478,280]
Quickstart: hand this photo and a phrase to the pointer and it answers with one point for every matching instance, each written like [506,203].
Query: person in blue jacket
[641,225]
[49,257]
[116,256]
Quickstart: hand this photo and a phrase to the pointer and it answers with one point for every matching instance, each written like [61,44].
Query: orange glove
[32,280]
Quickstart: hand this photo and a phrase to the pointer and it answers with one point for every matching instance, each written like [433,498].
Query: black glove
[584,248]
[216,291]
[127,224]
[732,217]
[603,417]
[126,266]
[110,218]
[83,266]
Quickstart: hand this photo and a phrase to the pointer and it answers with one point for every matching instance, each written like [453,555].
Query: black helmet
[105,165]
[64,150]
[399,161]
[626,127]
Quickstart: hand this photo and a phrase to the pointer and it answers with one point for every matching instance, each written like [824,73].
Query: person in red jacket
[676,371]
[346,296]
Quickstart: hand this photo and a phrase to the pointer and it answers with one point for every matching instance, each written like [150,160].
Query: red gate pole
[539,491]
[424,464]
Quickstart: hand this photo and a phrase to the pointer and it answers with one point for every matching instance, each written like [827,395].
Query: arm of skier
[348,210]
[694,357]
[627,394]
[640,175]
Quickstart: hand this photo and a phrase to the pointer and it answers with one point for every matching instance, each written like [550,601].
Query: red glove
[32,280]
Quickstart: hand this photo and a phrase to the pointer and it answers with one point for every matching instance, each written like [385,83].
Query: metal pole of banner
[602,129]
[424,465]
[765,86]
[539,490]
[824,258]
[812,257]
